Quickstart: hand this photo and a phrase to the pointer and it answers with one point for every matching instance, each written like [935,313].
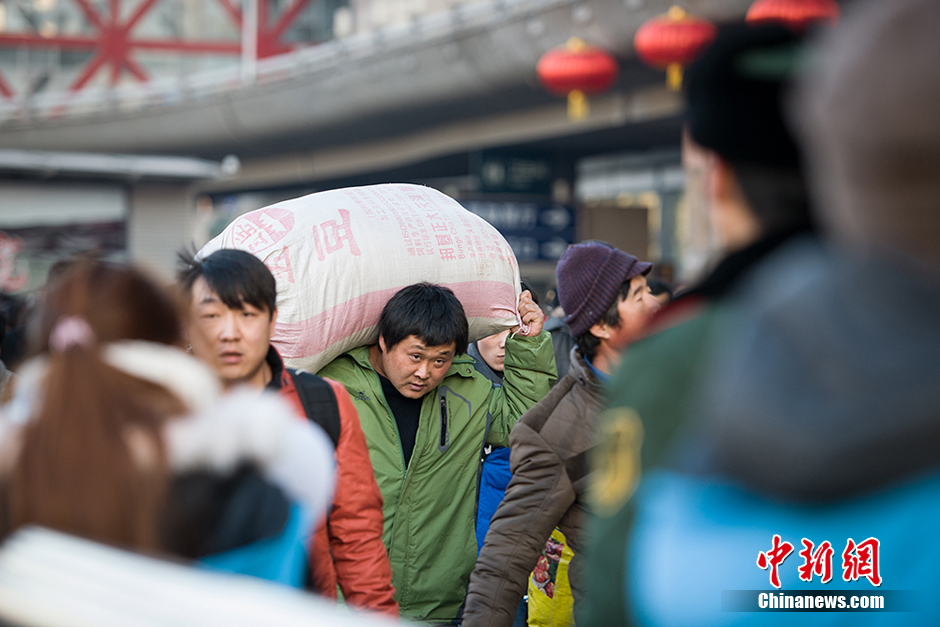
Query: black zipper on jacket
[443,422]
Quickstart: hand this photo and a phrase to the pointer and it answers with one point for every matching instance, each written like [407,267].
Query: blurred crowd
[628,458]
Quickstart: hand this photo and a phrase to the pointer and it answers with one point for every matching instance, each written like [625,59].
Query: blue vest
[494,478]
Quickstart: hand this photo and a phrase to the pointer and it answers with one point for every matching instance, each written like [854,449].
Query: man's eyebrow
[424,349]
[210,299]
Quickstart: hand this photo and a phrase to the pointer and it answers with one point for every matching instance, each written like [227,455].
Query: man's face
[415,368]
[635,311]
[233,342]
[493,349]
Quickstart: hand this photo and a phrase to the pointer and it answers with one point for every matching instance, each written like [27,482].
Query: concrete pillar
[161,220]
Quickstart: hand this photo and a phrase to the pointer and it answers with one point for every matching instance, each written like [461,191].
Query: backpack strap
[319,402]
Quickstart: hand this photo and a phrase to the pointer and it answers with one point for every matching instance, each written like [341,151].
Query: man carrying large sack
[426,413]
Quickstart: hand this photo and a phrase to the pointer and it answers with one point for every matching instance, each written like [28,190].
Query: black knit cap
[589,276]
[734,94]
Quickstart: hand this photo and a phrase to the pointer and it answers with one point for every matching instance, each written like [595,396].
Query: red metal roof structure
[113,43]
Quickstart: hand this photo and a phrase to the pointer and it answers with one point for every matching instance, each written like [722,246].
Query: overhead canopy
[474,61]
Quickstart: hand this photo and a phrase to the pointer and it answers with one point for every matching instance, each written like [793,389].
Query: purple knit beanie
[589,276]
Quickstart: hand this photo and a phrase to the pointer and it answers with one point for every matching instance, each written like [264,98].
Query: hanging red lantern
[797,14]
[672,41]
[575,70]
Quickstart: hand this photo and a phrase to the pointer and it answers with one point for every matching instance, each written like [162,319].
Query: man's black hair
[524,285]
[235,276]
[658,286]
[587,341]
[429,312]
[779,199]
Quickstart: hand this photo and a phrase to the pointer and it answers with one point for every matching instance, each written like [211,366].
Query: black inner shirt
[407,411]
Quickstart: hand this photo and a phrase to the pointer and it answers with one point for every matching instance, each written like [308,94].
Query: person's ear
[722,182]
[382,344]
[272,324]
[600,330]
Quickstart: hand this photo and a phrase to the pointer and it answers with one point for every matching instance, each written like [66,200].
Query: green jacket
[429,510]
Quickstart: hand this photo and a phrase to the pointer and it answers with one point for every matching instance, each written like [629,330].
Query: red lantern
[797,14]
[575,70]
[671,41]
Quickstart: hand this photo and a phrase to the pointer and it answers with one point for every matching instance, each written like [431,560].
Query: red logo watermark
[860,560]
[817,563]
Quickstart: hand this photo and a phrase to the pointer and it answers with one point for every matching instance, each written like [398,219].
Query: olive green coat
[429,510]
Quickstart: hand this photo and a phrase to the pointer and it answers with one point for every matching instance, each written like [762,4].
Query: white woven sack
[339,256]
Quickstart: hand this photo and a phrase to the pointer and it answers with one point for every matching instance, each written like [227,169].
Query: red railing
[113,44]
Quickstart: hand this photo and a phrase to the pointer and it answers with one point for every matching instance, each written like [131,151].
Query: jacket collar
[732,268]
[579,369]
[279,376]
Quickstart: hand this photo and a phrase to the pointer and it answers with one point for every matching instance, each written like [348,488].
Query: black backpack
[318,401]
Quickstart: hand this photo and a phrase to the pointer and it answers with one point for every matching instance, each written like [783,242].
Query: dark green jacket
[429,510]
[654,382]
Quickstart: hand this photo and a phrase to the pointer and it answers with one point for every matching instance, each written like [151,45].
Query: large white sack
[339,256]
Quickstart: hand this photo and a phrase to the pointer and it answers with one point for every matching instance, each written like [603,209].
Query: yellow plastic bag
[550,601]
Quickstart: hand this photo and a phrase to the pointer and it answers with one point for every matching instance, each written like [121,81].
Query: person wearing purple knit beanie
[606,301]
[607,305]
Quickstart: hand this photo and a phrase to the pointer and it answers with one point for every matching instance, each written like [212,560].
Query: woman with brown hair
[115,434]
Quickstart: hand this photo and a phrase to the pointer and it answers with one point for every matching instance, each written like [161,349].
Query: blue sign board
[536,231]
[506,174]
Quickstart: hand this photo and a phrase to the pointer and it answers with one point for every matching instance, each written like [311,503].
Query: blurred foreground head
[736,136]
[115,434]
[90,458]
[118,303]
[871,116]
